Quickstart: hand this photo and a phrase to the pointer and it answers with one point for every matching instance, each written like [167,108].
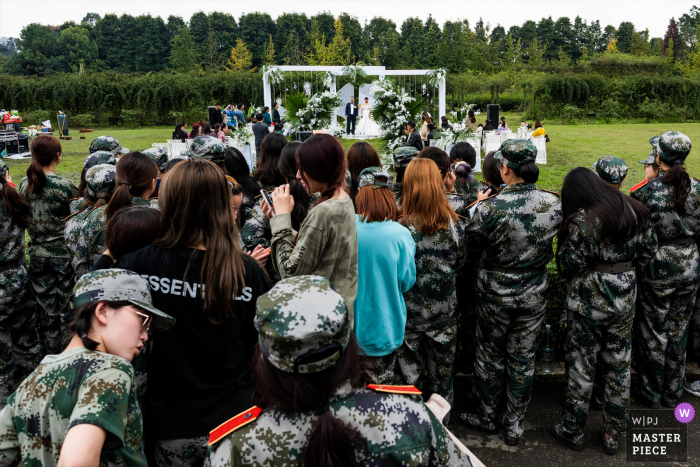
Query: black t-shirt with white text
[199,373]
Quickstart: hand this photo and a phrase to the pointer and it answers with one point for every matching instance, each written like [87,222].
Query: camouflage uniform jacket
[247,206]
[594,294]
[75,387]
[457,202]
[513,230]
[397,429]
[468,189]
[91,242]
[77,205]
[71,233]
[431,303]
[13,281]
[48,211]
[673,265]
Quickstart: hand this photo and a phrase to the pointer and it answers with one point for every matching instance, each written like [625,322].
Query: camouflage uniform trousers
[661,338]
[506,336]
[381,370]
[20,349]
[52,283]
[184,452]
[598,349]
[426,360]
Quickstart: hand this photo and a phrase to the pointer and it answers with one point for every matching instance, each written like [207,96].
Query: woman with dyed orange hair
[431,328]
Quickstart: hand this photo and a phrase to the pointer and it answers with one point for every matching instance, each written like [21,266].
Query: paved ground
[538,448]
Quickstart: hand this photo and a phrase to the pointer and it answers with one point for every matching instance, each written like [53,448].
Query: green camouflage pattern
[403,156]
[673,146]
[673,265]
[183,452]
[348,179]
[651,159]
[298,315]
[370,176]
[76,387]
[517,151]
[99,158]
[3,169]
[397,429]
[101,179]
[601,309]
[157,155]
[458,203]
[91,242]
[469,189]
[119,285]
[381,370]
[71,233]
[512,230]
[208,147]
[77,205]
[431,308]
[611,169]
[107,144]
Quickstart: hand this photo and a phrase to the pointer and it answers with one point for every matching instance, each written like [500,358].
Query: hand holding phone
[268,200]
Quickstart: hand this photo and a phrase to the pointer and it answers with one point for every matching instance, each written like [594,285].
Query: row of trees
[210,42]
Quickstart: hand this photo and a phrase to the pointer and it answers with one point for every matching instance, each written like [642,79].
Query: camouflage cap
[651,159]
[101,179]
[348,179]
[673,146]
[403,156]
[516,151]
[299,317]
[107,143]
[118,285]
[3,169]
[368,177]
[159,156]
[611,169]
[208,147]
[99,157]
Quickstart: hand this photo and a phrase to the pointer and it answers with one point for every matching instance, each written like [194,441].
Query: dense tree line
[210,42]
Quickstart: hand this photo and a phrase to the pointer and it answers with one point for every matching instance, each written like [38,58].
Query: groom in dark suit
[351,112]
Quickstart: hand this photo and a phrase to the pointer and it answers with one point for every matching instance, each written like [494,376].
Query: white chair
[164,146]
[476,144]
[541,144]
[493,143]
[175,147]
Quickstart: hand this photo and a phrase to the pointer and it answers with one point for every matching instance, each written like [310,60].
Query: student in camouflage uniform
[605,236]
[50,270]
[307,373]
[100,184]
[136,176]
[510,236]
[96,158]
[612,170]
[670,281]
[402,157]
[20,349]
[64,410]
[160,157]
[462,155]
[426,357]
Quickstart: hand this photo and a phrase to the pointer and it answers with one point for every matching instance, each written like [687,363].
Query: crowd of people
[187,312]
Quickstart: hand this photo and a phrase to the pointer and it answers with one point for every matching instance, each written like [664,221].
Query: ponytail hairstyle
[13,203]
[322,159]
[135,173]
[81,323]
[528,170]
[45,149]
[463,152]
[332,443]
[679,180]
[288,169]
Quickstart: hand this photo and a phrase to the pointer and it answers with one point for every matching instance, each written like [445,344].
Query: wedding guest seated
[431,133]
[539,131]
[414,138]
[445,123]
[488,126]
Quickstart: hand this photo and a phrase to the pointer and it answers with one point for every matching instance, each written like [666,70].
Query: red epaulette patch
[394,389]
[72,215]
[465,218]
[73,199]
[154,197]
[480,200]
[233,424]
[696,179]
[552,192]
[639,185]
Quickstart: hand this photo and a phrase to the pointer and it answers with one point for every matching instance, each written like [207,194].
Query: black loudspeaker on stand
[492,113]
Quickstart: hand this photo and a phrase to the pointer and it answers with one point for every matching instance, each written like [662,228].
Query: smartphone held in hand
[268,200]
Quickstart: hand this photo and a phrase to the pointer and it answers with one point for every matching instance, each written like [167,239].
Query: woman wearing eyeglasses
[79,407]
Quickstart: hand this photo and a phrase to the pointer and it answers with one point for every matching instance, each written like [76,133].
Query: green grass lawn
[571,146]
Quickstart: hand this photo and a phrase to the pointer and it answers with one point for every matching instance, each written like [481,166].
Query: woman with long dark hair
[21,351]
[425,121]
[50,270]
[470,120]
[311,404]
[510,240]
[326,242]
[605,237]
[136,177]
[195,131]
[360,156]
[181,131]
[670,281]
[199,371]
[237,167]
[267,172]
[426,357]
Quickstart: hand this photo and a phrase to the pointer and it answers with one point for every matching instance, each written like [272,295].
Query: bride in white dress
[367,126]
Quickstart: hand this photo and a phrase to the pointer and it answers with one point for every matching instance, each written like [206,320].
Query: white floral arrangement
[273,75]
[318,112]
[253,111]
[436,76]
[354,72]
[392,113]
[328,80]
[457,134]
[242,135]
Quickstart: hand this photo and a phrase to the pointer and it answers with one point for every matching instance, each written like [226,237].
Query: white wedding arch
[272,73]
